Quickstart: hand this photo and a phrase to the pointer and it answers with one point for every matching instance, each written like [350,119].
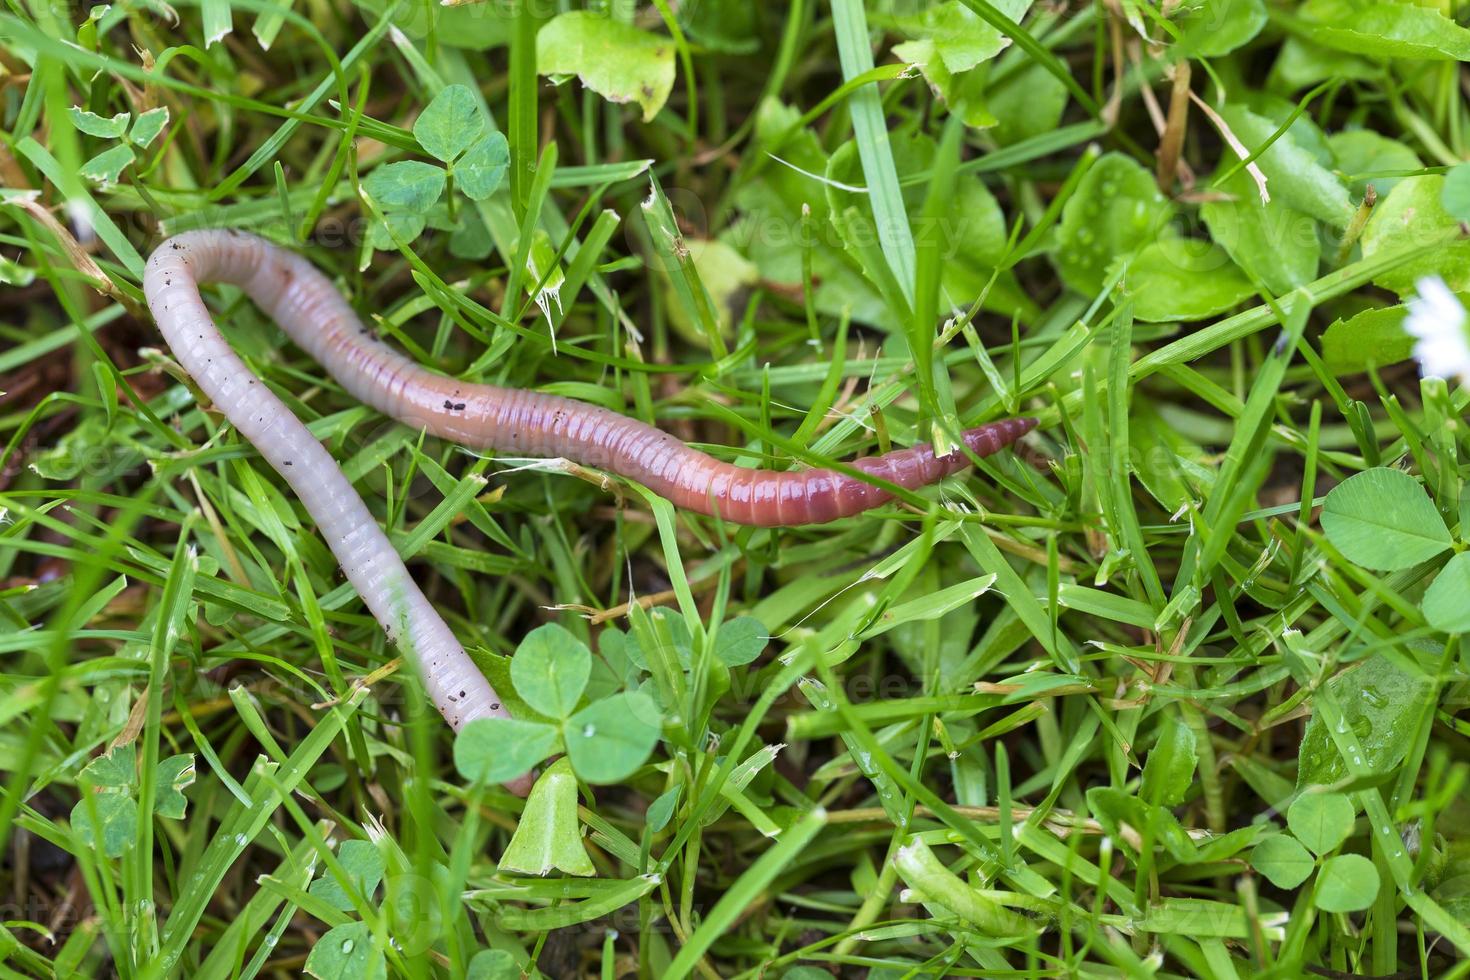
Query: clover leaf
[492,750]
[148,125]
[605,741]
[1283,860]
[408,185]
[108,810]
[363,863]
[107,166]
[347,952]
[450,123]
[100,126]
[480,171]
[550,670]
[1346,883]
[1383,519]
[1320,823]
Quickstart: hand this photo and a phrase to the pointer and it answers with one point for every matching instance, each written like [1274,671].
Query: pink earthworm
[314,315]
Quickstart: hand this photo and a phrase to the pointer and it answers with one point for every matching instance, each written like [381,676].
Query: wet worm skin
[316,317]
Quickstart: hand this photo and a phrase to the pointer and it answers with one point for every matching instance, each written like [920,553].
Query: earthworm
[308,308]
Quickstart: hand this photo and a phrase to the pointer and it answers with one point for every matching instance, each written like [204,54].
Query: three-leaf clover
[1382,519]
[352,950]
[107,166]
[606,741]
[451,129]
[1320,823]
[349,949]
[108,809]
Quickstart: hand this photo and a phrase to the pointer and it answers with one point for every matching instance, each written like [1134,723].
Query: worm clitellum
[316,317]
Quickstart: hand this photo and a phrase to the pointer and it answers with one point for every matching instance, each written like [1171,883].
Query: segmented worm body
[316,317]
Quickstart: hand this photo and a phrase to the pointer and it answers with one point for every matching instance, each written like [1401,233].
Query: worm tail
[816,496]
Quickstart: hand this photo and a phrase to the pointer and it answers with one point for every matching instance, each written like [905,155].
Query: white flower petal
[1437,321]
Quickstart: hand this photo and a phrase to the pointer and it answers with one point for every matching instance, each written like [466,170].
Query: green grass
[1177,689]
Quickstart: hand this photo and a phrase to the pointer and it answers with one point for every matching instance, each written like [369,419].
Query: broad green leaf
[1212,28]
[1302,64]
[107,166]
[616,60]
[1116,210]
[1370,338]
[1414,214]
[493,750]
[946,41]
[961,93]
[1455,194]
[550,670]
[173,775]
[108,816]
[608,740]
[1386,30]
[1273,242]
[450,123]
[481,170]
[148,125]
[1381,704]
[740,641]
[364,865]
[1184,279]
[549,837]
[1382,519]
[1284,862]
[1447,600]
[101,126]
[961,39]
[347,952]
[1362,152]
[1321,821]
[408,185]
[1028,102]
[1168,772]
[1346,883]
[1292,173]
[493,964]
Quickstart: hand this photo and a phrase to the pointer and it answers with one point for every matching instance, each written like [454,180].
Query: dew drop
[347,945]
[1371,695]
[241,839]
[589,730]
